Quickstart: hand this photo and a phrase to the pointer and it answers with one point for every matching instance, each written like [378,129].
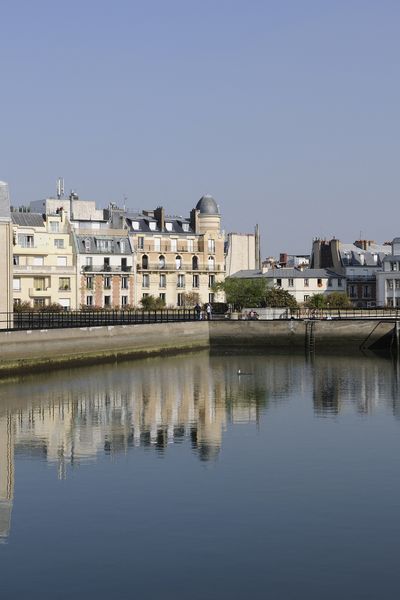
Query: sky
[287,112]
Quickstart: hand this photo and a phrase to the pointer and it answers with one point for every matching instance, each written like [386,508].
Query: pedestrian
[208,311]
[197,309]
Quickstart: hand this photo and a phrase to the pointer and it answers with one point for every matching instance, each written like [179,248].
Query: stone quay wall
[22,351]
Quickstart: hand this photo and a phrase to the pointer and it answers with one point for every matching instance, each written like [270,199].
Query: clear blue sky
[286,111]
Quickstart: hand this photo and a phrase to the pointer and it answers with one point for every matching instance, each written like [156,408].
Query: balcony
[106,269]
[35,293]
[173,267]
[166,248]
[23,269]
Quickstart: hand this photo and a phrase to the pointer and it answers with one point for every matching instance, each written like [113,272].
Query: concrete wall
[328,336]
[31,350]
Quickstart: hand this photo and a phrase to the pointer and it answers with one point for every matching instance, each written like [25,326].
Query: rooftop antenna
[60,187]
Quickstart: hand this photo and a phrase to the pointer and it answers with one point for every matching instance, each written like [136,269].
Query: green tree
[278,298]
[152,303]
[243,292]
[338,300]
[190,299]
[316,301]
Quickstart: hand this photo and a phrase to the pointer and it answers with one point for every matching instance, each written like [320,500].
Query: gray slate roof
[144,220]
[80,244]
[286,273]
[27,219]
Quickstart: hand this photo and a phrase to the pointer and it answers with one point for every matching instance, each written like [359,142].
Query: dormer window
[104,245]
[87,245]
[135,225]
[122,246]
[152,225]
[168,226]
[185,226]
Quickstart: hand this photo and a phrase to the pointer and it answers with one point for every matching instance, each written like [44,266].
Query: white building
[388,280]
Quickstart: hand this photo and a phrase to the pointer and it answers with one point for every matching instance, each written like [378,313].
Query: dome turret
[207,205]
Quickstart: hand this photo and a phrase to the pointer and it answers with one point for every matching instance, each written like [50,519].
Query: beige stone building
[44,262]
[176,255]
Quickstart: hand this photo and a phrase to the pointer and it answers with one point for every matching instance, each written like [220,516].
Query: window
[39,302]
[330,282]
[389,302]
[190,245]
[185,227]
[306,283]
[104,245]
[124,300]
[367,291]
[65,303]
[157,244]
[279,282]
[291,282]
[39,284]
[162,296]
[124,283]
[38,261]
[58,243]
[15,260]
[161,262]
[61,261]
[26,241]
[54,226]
[145,295]
[152,225]
[17,284]
[352,291]
[211,246]
[179,299]
[397,283]
[339,282]
[140,243]
[107,300]
[306,297]
[106,263]
[393,266]
[87,245]
[89,283]
[124,264]
[211,298]
[64,283]
[145,261]
[181,281]
[319,282]
[195,263]
[122,246]
[168,227]
[145,281]
[88,261]
[211,281]
[211,263]
[390,284]
[135,225]
[163,281]
[107,282]
[196,281]
[173,245]
[178,262]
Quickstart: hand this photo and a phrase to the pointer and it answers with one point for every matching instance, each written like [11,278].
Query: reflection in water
[71,416]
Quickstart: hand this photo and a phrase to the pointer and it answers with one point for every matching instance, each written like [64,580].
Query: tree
[316,301]
[152,303]
[338,300]
[190,299]
[278,298]
[243,292]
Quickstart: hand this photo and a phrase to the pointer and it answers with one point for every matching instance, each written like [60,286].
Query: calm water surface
[178,478]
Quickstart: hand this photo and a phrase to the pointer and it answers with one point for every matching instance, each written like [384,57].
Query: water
[178,478]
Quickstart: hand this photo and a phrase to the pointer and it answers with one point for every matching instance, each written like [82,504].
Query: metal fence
[95,318]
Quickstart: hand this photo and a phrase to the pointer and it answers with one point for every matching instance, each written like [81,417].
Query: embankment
[23,351]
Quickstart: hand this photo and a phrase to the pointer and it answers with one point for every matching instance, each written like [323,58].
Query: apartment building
[177,255]
[388,280]
[44,269]
[104,268]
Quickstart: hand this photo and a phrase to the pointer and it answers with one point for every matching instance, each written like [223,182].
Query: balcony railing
[166,247]
[173,267]
[106,269]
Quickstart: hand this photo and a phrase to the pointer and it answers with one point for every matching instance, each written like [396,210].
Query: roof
[25,219]
[288,274]
[144,221]
[207,205]
[91,244]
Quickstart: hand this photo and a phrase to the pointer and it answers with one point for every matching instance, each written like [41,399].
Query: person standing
[208,311]
[197,309]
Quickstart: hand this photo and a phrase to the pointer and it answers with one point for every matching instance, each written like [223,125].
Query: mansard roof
[179,225]
[288,273]
[102,243]
[27,219]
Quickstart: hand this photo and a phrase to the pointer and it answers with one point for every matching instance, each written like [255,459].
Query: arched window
[195,263]
[178,262]
[145,261]
[161,262]
[211,263]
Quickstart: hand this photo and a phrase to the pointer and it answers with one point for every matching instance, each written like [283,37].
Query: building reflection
[73,416]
